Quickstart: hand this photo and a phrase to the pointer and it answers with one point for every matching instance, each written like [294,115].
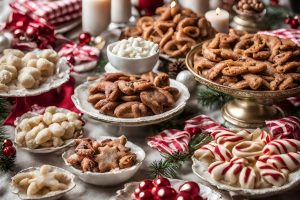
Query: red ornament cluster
[161,189]
[84,38]
[8,149]
[26,29]
[294,22]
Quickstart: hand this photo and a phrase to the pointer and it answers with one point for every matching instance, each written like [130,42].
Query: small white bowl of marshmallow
[133,55]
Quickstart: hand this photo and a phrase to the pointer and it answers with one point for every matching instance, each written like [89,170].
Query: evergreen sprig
[211,98]
[4,108]
[100,66]
[171,163]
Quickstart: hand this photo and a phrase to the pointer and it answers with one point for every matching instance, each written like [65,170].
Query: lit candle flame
[218,11]
[173,4]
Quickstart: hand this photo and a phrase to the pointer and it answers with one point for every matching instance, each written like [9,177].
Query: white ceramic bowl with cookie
[26,140]
[113,177]
[51,195]
[134,56]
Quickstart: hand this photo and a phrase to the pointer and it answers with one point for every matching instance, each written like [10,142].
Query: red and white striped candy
[288,161]
[239,160]
[282,146]
[248,178]
[261,136]
[248,149]
[213,151]
[227,138]
[269,173]
[221,153]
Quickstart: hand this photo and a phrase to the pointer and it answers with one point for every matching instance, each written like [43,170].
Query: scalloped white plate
[67,143]
[80,100]
[61,76]
[128,190]
[111,178]
[200,169]
[51,195]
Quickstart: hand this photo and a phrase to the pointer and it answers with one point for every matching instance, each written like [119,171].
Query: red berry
[9,151]
[146,184]
[165,192]
[7,143]
[137,193]
[161,182]
[183,196]
[145,195]
[197,197]
[154,190]
[294,23]
[190,187]
[84,38]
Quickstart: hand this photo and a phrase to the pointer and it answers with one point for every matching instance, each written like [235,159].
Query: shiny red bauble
[137,193]
[84,38]
[7,143]
[190,187]
[145,195]
[295,23]
[161,182]
[9,151]
[146,184]
[288,20]
[183,196]
[165,193]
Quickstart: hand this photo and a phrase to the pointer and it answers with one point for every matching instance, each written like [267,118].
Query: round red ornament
[84,38]
[161,182]
[145,195]
[274,2]
[7,143]
[190,187]
[166,193]
[295,23]
[146,184]
[183,196]
[9,151]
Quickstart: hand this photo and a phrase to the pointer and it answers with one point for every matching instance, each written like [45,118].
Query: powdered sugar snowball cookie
[281,146]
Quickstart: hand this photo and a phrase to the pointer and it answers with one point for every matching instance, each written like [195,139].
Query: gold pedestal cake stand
[249,108]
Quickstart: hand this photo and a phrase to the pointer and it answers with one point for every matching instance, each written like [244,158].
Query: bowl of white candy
[133,55]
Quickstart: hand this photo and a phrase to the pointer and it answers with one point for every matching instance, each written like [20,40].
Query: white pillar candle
[120,11]
[95,16]
[219,19]
[198,6]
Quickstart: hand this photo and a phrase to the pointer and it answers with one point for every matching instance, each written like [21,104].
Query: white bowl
[51,195]
[81,94]
[131,65]
[67,143]
[111,178]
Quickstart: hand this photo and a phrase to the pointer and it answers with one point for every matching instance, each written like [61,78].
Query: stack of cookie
[131,96]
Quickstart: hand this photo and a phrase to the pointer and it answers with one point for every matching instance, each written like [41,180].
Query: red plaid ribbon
[293,34]
[54,12]
[81,54]
[288,127]
[170,141]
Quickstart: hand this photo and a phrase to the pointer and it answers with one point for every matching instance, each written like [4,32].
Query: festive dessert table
[154,83]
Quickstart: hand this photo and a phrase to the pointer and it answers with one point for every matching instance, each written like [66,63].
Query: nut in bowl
[51,131]
[135,55]
[44,183]
[107,161]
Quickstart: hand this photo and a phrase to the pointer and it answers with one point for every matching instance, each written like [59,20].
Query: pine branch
[170,163]
[211,98]
[100,66]
[4,108]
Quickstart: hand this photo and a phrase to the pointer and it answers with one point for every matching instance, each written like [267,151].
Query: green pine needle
[211,98]
[163,168]
[4,108]
[100,66]
[199,140]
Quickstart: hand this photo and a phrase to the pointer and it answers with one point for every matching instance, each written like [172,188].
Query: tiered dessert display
[256,69]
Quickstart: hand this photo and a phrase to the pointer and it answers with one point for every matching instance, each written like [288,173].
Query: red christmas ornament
[71,60]
[287,20]
[166,193]
[197,197]
[146,184]
[7,143]
[274,2]
[9,151]
[190,187]
[137,192]
[295,23]
[161,182]
[183,196]
[84,38]
[145,195]
[149,5]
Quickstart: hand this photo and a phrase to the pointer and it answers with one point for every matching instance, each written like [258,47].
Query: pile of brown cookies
[250,6]
[132,96]
[249,61]
[102,156]
[175,29]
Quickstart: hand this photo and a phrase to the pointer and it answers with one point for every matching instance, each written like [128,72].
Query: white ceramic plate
[80,100]
[51,195]
[110,68]
[200,169]
[61,76]
[111,178]
[67,143]
[126,193]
